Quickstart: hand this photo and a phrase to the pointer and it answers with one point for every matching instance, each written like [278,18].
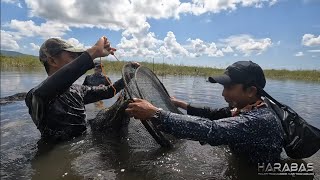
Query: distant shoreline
[30,62]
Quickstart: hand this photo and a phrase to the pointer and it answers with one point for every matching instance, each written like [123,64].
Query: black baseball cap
[54,46]
[242,72]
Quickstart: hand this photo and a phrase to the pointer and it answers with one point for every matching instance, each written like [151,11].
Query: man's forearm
[183,126]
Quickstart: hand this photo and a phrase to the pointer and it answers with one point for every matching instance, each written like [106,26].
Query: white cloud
[139,45]
[247,45]
[75,42]
[34,47]
[45,30]
[198,7]
[142,37]
[156,9]
[314,50]
[273,2]
[199,48]
[172,47]
[298,54]
[9,1]
[131,16]
[310,40]
[8,41]
[147,45]
[139,42]
[15,2]
[228,49]
[94,13]
[126,14]
[208,20]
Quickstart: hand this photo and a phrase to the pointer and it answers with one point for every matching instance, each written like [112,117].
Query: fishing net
[140,83]
[151,89]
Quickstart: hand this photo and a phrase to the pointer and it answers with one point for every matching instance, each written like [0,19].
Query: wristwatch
[157,114]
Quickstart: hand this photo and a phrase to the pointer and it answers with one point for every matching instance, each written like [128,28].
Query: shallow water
[99,157]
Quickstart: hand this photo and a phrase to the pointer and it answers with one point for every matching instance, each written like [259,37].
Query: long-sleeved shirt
[254,135]
[57,106]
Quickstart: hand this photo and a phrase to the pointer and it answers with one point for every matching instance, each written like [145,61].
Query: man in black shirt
[97,78]
[57,106]
[248,126]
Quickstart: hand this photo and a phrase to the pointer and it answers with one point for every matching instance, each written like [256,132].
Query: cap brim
[74,49]
[223,79]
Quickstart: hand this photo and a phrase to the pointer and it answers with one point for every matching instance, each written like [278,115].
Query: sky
[276,34]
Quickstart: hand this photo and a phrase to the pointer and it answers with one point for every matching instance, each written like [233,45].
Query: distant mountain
[12,53]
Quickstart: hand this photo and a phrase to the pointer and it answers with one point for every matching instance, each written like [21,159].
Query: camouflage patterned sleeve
[219,132]
[97,93]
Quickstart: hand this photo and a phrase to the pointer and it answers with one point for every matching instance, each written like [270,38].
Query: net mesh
[151,89]
[139,83]
[128,75]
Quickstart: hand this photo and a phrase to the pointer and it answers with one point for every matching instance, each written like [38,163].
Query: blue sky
[277,34]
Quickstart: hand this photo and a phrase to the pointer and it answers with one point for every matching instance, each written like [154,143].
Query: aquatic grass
[19,61]
[308,75]
[32,62]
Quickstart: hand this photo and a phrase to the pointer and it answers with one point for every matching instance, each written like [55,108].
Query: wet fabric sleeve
[96,93]
[61,80]
[209,113]
[220,132]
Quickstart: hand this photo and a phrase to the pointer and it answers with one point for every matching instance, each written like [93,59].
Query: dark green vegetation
[32,62]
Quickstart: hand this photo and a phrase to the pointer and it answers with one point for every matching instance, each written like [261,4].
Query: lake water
[85,158]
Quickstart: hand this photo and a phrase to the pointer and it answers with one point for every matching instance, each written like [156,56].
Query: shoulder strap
[264,93]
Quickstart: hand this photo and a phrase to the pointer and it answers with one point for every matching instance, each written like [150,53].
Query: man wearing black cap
[57,106]
[97,78]
[247,125]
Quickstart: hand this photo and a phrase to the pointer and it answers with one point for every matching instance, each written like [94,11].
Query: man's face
[97,70]
[236,96]
[65,57]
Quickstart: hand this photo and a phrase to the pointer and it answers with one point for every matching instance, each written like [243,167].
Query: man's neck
[256,102]
[249,102]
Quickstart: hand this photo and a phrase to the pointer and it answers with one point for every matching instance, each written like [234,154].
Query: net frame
[129,74]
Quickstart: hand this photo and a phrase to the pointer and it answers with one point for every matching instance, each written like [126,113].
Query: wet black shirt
[57,106]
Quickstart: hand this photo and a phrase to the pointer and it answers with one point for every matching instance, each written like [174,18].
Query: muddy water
[100,157]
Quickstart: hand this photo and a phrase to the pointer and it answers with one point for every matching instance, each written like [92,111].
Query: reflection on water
[100,157]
